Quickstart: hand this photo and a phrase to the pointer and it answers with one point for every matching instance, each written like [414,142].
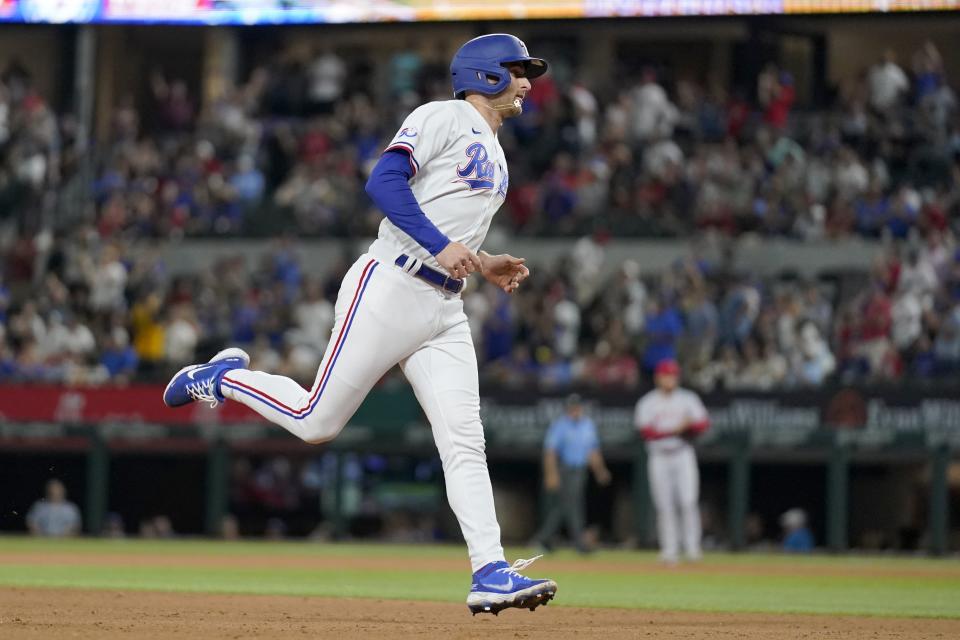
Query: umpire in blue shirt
[570,447]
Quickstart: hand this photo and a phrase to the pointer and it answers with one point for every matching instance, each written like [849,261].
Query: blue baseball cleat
[498,586]
[202,381]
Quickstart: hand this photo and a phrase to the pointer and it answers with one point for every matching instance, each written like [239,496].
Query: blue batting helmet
[482,60]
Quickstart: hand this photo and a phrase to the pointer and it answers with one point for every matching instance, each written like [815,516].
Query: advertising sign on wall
[253,12]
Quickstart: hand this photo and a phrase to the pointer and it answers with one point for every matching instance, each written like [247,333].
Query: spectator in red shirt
[738,113]
[781,99]
[612,367]
[874,336]
[876,317]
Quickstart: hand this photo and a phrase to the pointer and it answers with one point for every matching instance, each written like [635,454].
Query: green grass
[761,583]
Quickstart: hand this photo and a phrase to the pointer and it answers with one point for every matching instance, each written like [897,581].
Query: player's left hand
[504,270]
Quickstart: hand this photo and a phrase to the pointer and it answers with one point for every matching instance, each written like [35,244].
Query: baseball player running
[669,418]
[439,183]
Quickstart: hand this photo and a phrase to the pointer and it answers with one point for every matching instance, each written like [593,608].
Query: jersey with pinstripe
[460,175]
[384,316]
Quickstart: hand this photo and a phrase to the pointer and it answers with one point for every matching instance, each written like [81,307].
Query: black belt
[432,276]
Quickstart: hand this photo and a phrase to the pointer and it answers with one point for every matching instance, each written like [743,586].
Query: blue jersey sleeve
[389,188]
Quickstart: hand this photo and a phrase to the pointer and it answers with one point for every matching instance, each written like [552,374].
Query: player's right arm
[423,136]
[458,260]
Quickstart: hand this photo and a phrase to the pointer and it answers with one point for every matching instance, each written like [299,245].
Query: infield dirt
[108,615]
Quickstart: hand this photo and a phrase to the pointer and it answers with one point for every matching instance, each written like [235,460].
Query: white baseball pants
[675,486]
[383,317]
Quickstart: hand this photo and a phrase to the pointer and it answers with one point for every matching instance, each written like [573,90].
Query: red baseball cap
[667,368]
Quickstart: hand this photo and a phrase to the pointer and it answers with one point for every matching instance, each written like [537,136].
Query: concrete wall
[765,257]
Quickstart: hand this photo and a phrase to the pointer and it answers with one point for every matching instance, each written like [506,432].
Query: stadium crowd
[83,310]
[291,147]
[84,300]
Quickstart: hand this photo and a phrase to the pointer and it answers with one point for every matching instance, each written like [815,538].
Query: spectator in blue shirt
[797,535]
[872,211]
[248,182]
[663,326]
[571,446]
[118,357]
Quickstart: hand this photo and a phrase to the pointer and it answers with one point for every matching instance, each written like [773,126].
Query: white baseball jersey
[672,468]
[460,176]
[665,413]
[384,317]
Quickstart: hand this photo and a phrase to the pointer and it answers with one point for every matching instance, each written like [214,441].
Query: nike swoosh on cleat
[505,589]
[193,371]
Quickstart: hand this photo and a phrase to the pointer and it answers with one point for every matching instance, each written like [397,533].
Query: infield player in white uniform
[439,182]
[669,418]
